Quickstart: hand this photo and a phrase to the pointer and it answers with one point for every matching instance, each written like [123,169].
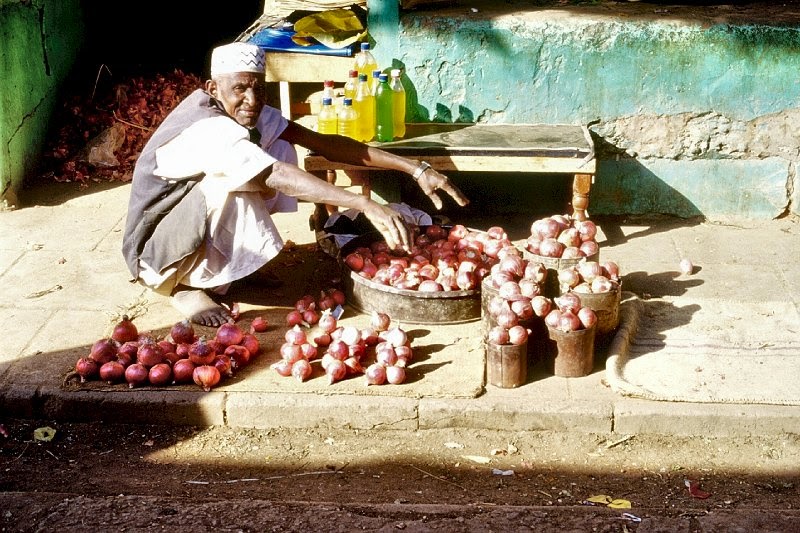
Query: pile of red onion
[307,310]
[589,277]
[561,236]
[140,359]
[441,259]
[569,314]
[519,283]
[378,351]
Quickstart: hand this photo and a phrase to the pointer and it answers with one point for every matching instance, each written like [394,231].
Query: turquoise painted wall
[517,63]
[39,42]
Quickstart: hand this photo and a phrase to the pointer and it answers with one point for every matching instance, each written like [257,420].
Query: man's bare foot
[200,307]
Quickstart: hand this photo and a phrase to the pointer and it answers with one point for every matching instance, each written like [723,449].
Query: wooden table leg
[581,185]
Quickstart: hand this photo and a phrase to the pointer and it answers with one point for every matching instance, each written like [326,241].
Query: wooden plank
[488,163]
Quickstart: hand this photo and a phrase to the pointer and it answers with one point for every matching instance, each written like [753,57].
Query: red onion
[368,270]
[126,354]
[568,278]
[310,316]
[182,371]
[569,321]
[112,372]
[228,334]
[357,350]
[87,368]
[301,370]
[295,335]
[611,270]
[182,332]
[518,335]
[104,350]
[336,371]
[404,355]
[569,237]
[466,280]
[535,271]
[291,352]
[497,335]
[428,272]
[353,365]
[509,290]
[294,318]
[586,229]
[338,296]
[386,356]
[436,232]
[589,248]
[552,318]
[250,342]
[549,228]
[369,336]
[327,322]
[584,288]
[240,356]
[506,318]
[304,303]
[602,284]
[309,351]
[282,367]
[563,221]
[457,231]
[351,335]
[396,337]
[429,285]
[206,376]
[550,247]
[224,364]
[395,374]
[587,316]
[322,340]
[572,252]
[169,357]
[125,330]
[149,354]
[380,321]
[541,305]
[522,308]
[338,349]
[529,288]
[182,350]
[259,325]
[160,374]
[166,346]
[589,270]
[375,374]
[355,261]
[201,352]
[569,301]
[532,244]
[136,374]
[513,264]
[492,248]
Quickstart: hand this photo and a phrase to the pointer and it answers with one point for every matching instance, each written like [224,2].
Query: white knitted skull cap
[237,57]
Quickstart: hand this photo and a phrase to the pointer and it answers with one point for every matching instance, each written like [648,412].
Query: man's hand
[431,181]
[390,224]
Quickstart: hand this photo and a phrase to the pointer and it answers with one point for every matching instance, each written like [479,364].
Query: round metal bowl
[366,296]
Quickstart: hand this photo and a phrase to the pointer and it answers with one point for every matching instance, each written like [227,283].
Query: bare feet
[200,307]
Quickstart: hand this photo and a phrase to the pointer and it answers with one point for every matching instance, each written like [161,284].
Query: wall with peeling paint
[39,41]
[691,115]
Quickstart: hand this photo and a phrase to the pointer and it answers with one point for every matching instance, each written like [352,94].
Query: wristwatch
[423,166]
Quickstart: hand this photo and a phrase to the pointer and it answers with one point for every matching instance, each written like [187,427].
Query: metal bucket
[606,306]
[553,265]
[571,353]
[537,337]
[506,365]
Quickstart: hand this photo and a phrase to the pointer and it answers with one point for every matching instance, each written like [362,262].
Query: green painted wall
[516,62]
[39,42]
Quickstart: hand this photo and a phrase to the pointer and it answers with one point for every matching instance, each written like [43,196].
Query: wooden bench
[529,148]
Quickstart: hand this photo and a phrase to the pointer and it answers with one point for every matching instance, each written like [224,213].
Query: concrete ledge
[713,420]
[145,407]
[507,413]
[269,410]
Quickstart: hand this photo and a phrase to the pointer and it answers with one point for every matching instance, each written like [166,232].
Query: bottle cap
[383,77]
[365,46]
[327,101]
[362,77]
[348,101]
[353,73]
[376,73]
[396,72]
[327,83]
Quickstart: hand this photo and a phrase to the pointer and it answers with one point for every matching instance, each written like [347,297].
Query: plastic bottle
[351,84]
[399,105]
[365,62]
[384,110]
[327,121]
[373,83]
[364,102]
[348,119]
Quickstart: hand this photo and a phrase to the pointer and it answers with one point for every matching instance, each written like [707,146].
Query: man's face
[242,94]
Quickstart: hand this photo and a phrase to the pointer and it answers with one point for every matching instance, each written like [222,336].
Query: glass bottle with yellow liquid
[365,62]
[347,123]
[327,121]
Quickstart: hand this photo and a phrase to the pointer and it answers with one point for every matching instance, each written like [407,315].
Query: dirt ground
[93,476]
